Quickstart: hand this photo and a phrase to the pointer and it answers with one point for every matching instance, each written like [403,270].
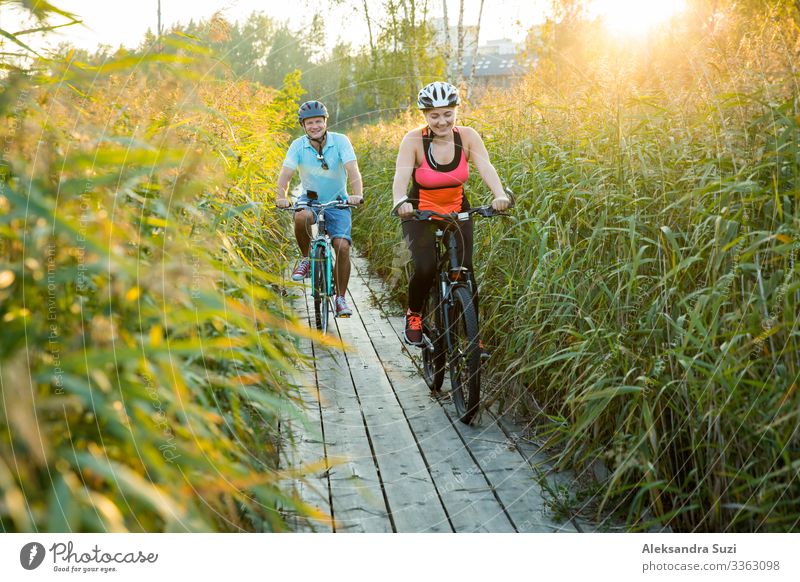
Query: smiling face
[441,120]
[315,127]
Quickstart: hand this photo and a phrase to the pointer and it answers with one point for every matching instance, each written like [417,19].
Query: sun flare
[635,17]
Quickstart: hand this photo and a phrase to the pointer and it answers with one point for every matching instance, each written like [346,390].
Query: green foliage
[145,361]
[642,303]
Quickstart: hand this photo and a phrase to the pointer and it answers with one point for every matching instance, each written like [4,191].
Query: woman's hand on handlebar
[355,199]
[405,210]
[501,204]
[283,203]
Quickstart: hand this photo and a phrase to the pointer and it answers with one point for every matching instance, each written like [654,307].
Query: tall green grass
[642,303]
[144,362]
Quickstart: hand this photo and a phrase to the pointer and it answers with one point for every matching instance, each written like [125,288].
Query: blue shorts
[338,221]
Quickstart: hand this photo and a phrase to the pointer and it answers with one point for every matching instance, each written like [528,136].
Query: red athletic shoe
[302,270]
[413,332]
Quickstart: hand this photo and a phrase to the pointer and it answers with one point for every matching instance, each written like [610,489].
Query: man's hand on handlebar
[283,203]
[355,199]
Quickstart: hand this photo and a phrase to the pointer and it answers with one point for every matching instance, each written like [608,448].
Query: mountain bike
[450,334]
[321,257]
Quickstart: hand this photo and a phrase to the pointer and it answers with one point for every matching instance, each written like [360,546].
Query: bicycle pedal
[345,316]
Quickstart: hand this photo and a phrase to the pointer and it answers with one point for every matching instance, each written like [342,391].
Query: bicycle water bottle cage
[457,274]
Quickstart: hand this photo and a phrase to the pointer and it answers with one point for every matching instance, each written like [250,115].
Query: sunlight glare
[635,17]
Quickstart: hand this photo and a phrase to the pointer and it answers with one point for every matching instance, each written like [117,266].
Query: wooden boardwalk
[394,458]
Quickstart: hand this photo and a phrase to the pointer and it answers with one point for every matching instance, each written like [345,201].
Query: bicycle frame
[323,240]
[456,276]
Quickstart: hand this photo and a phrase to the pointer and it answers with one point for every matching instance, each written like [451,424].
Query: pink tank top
[440,187]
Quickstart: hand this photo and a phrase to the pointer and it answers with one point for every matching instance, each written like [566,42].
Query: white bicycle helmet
[437,94]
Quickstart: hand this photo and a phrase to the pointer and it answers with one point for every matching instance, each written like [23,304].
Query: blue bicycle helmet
[311,109]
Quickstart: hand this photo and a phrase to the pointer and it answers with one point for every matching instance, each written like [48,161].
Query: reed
[642,303]
[146,361]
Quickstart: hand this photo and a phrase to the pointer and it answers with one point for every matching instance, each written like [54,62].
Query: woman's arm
[480,157]
[404,166]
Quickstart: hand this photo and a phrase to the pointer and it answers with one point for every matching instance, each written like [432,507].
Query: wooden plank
[305,444]
[538,462]
[351,479]
[506,470]
[459,482]
[409,489]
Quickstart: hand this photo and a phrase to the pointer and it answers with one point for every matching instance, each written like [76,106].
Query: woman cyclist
[435,160]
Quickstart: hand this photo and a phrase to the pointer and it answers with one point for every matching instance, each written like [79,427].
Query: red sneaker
[413,332]
[302,270]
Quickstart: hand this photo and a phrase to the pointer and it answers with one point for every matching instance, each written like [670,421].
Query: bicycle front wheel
[321,303]
[434,355]
[464,355]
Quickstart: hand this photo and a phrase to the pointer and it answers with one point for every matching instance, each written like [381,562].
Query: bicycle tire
[464,355]
[434,358]
[321,303]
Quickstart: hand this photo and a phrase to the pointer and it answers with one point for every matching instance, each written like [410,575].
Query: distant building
[498,63]
[500,46]
[497,70]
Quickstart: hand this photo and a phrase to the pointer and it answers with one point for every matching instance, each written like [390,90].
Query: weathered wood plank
[305,446]
[350,476]
[407,465]
[507,471]
[462,487]
[356,489]
[410,491]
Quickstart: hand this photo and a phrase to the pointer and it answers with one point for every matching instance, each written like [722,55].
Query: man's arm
[356,186]
[284,178]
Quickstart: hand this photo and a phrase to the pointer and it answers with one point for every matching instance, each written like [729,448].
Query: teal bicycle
[321,256]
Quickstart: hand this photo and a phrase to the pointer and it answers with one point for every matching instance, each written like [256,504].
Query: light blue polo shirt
[330,183]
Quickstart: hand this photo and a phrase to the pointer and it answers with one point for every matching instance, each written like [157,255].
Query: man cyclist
[326,162]
[435,159]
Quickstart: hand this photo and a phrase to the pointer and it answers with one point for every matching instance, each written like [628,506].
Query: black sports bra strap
[427,143]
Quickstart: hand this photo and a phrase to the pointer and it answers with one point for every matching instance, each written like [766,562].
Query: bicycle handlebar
[486,211]
[331,204]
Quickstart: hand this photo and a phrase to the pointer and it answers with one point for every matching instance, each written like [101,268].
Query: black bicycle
[450,333]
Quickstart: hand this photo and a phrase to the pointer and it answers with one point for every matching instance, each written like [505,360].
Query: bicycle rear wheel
[321,303]
[464,355]
[434,356]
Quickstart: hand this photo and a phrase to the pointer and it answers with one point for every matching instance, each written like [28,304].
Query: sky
[115,22]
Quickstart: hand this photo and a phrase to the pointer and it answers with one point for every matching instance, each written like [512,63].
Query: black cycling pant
[421,241]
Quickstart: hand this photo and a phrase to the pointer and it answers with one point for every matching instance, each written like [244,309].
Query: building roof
[497,65]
